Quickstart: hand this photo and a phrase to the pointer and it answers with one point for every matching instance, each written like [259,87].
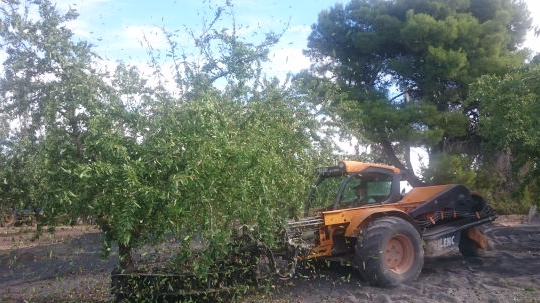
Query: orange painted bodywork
[422,194]
[356,167]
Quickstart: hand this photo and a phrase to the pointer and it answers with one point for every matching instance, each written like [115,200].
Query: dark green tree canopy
[510,107]
[428,50]
[426,47]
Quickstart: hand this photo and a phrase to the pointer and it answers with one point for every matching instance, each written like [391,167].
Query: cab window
[324,194]
[358,190]
[363,189]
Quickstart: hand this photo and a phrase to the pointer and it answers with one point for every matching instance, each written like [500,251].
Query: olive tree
[140,162]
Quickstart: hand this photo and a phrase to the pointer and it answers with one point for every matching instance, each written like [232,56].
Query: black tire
[467,247]
[389,252]
[7,218]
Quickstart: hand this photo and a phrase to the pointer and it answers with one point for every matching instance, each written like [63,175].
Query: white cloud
[135,36]
[533,42]
[79,28]
[304,29]
[287,60]
[84,26]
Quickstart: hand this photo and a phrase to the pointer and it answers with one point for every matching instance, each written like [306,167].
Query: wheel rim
[399,254]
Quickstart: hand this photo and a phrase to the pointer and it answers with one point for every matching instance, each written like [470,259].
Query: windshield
[323,195]
[349,191]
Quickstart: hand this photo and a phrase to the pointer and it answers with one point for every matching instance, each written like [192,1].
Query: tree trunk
[391,155]
[126,259]
[407,157]
[76,134]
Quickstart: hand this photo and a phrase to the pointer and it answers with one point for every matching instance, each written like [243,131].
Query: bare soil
[68,267]
[62,267]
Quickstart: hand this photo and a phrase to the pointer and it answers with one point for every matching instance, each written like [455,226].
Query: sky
[118,28]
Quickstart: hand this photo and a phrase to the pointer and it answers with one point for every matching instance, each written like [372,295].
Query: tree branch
[391,155]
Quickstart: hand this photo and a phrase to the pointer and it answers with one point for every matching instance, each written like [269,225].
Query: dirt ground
[67,267]
[63,267]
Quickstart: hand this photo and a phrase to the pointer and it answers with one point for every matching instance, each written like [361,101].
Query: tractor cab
[353,184]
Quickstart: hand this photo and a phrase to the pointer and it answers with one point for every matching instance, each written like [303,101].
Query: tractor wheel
[467,246]
[389,252]
[7,219]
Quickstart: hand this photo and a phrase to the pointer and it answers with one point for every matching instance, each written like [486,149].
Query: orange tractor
[357,211]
